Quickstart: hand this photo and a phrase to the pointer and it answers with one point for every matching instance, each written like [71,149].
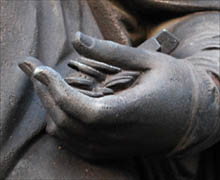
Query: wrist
[204,125]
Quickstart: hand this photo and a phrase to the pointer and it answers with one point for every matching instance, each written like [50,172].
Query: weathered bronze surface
[139,100]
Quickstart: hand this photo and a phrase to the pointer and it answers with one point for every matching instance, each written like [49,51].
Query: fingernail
[40,75]
[29,65]
[84,39]
[26,67]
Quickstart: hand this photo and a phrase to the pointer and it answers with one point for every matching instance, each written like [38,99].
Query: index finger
[113,53]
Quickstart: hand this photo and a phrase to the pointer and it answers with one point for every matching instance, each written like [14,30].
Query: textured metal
[158,103]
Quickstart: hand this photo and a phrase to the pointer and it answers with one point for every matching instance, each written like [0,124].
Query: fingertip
[76,40]
[26,68]
[77,36]
[41,75]
[28,65]
[82,40]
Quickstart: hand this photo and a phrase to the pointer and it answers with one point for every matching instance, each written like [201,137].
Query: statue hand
[159,101]
[149,117]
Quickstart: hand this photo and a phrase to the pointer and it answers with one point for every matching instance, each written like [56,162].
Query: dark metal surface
[154,96]
[181,6]
[158,102]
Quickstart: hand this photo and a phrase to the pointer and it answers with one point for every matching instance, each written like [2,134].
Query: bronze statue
[143,107]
